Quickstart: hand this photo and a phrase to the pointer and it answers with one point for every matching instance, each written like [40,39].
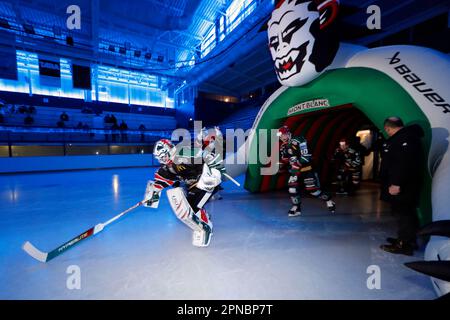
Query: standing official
[401,178]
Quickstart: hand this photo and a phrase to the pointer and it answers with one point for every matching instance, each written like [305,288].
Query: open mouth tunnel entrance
[326,110]
[323,130]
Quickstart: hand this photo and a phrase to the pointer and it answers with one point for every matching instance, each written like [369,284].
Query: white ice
[257,251]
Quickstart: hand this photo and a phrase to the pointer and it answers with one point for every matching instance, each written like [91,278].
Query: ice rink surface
[257,251]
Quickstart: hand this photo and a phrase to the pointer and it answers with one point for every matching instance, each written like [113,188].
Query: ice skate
[201,238]
[331,206]
[294,211]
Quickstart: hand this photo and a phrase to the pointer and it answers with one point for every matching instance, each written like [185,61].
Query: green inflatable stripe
[371,91]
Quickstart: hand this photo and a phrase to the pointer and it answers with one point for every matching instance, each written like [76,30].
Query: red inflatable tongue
[287,65]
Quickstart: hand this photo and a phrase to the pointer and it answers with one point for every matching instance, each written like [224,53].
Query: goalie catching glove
[215,161]
[209,179]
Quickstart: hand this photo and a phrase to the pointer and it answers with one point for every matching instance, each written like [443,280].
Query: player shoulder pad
[297,141]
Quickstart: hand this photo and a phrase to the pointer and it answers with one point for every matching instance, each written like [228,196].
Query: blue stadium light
[114,85]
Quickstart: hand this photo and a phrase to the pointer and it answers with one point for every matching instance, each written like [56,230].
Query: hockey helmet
[164,151]
[284,133]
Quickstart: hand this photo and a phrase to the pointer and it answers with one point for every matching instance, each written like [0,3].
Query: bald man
[400,174]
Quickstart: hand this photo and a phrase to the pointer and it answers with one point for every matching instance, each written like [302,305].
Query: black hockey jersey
[187,168]
[181,169]
[348,159]
[296,147]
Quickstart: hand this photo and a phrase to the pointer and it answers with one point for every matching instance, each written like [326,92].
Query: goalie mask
[302,40]
[164,151]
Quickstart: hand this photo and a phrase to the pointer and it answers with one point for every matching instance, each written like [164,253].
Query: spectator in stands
[11,109]
[87,128]
[142,128]
[2,119]
[28,120]
[64,117]
[31,110]
[114,134]
[123,128]
[22,109]
[79,125]
[3,110]
[60,124]
[113,120]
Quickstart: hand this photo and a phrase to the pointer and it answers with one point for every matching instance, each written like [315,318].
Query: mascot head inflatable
[302,39]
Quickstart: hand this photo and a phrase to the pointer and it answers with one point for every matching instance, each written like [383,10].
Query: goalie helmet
[164,151]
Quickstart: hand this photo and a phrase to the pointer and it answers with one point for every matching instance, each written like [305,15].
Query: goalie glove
[209,179]
[151,196]
[215,161]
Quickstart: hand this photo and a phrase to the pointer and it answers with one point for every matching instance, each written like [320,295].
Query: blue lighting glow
[114,85]
[235,14]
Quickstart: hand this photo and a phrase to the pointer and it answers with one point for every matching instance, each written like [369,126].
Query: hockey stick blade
[47,256]
[34,252]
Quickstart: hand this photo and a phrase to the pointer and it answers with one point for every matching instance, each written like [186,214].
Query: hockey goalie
[193,183]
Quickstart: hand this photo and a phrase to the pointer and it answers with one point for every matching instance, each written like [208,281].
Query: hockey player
[193,183]
[210,141]
[295,156]
[210,145]
[348,168]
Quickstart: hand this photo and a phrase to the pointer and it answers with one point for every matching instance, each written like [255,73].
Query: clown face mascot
[305,48]
[302,41]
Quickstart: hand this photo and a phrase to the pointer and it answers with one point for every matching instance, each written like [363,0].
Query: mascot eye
[292,28]
[274,42]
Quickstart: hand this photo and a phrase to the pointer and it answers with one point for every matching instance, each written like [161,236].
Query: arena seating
[242,119]
[49,116]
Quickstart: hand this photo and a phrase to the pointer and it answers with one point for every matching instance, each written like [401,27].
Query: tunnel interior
[323,130]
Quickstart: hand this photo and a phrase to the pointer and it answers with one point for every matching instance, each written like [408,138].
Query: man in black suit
[401,167]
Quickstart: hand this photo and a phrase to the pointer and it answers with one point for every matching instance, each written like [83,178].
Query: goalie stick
[231,179]
[47,256]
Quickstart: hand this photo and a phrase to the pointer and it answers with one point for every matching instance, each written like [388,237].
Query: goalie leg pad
[181,208]
[197,221]
[197,198]
[202,238]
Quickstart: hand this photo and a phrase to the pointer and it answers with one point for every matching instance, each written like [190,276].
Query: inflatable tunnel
[331,107]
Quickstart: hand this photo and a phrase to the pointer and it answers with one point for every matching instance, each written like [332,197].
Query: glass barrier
[78,150]
[71,149]
[4,151]
[37,151]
